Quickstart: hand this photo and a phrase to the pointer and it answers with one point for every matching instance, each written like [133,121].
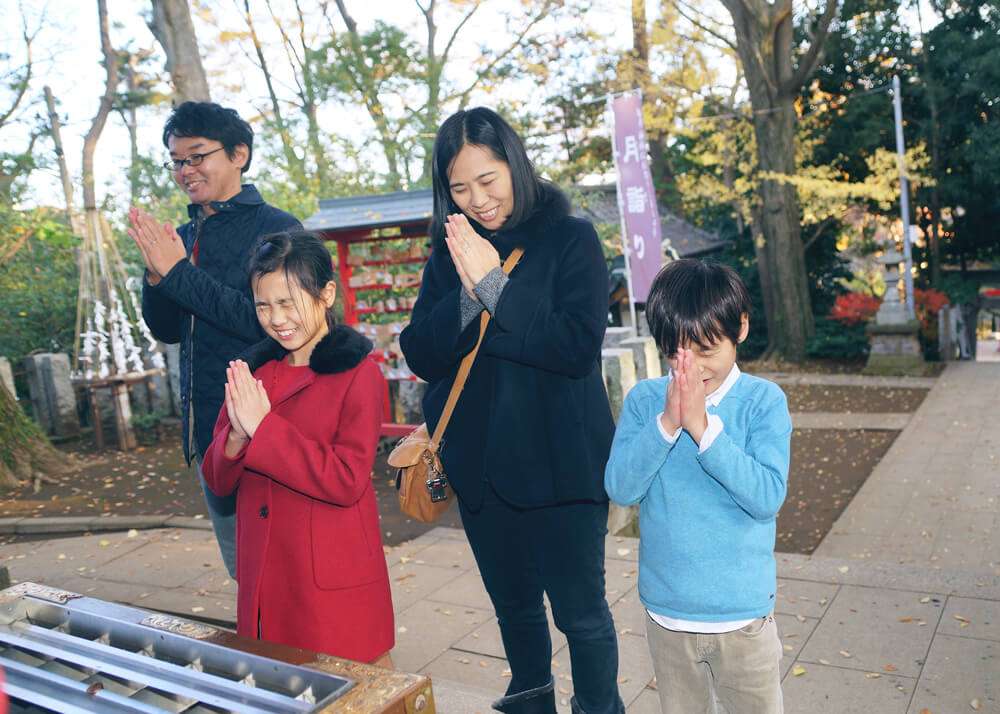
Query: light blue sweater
[706,521]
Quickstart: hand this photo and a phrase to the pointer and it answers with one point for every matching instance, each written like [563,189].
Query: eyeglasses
[192,160]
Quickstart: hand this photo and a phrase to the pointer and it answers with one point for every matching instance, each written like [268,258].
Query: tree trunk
[25,453]
[765,41]
[640,53]
[784,274]
[172,26]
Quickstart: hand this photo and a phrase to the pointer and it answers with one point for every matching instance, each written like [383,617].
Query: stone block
[411,582]
[793,633]
[7,376]
[971,617]
[618,369]
[161,397]
[172,353]
[613,336]
[879,627]
[958,670]
[427,629]
[53,397]
[409,406]
[828,688]
[646,357]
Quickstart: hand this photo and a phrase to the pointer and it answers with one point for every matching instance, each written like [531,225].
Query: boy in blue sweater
[704,452]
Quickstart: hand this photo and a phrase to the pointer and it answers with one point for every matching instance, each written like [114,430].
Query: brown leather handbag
[420,479]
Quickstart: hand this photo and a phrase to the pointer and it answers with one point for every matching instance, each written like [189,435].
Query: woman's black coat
[534,418]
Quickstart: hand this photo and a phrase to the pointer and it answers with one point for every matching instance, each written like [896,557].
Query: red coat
[310,565]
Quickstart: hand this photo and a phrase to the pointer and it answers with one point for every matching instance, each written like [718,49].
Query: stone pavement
[858,636]
[934,499]
[898,612]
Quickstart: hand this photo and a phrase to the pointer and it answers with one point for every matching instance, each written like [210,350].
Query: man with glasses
[196,288]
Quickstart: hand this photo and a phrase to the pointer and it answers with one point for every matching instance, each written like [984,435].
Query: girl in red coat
[297,437]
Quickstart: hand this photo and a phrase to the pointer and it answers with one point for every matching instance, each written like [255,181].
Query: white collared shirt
[713,430]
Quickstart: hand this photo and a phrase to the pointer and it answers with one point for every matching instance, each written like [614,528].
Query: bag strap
[466,366]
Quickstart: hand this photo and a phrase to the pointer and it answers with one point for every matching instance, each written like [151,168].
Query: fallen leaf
[889,668]
[104,543]
[798,670]
[94,688]
[906,619]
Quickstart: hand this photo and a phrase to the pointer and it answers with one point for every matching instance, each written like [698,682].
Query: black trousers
[557,550]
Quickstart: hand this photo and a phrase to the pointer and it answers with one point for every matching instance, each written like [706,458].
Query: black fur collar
[340,350]
[552,207]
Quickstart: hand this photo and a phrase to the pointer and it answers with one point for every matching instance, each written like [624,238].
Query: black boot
[577,709]
[540,700]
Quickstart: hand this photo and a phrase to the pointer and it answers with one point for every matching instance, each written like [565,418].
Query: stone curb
[94,524]
[847,380]
[961,582]
[890,421]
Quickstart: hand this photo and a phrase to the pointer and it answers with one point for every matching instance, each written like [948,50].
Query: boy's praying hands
[694,418]
[685,403]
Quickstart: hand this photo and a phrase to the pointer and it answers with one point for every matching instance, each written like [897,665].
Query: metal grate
[66,653]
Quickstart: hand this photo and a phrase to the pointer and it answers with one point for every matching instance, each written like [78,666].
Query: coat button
[263,511]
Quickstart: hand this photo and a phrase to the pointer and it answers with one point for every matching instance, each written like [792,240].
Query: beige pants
[738,670]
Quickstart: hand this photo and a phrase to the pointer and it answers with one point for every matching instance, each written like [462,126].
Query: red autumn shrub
[852,308]
[929,302]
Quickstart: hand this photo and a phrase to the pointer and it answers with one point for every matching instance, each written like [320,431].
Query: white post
[904,194]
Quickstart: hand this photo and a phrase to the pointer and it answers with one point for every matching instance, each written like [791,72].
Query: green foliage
[961,75]
[38,284]
[147,425]
[960,291]
[834,340]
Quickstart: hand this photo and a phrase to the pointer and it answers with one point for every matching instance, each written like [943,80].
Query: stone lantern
[895,347]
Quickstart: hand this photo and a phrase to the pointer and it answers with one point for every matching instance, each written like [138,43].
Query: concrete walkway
[858,636]
[934,499]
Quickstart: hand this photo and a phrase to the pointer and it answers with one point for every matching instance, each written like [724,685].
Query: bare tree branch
[456,31]
[26,80]
[689,13]
[817,232]
[463,95]
[812,56]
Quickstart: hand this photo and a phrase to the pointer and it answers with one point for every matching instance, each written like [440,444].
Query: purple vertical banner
[636,198]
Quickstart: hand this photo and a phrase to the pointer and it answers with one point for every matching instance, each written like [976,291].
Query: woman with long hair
[527,444]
